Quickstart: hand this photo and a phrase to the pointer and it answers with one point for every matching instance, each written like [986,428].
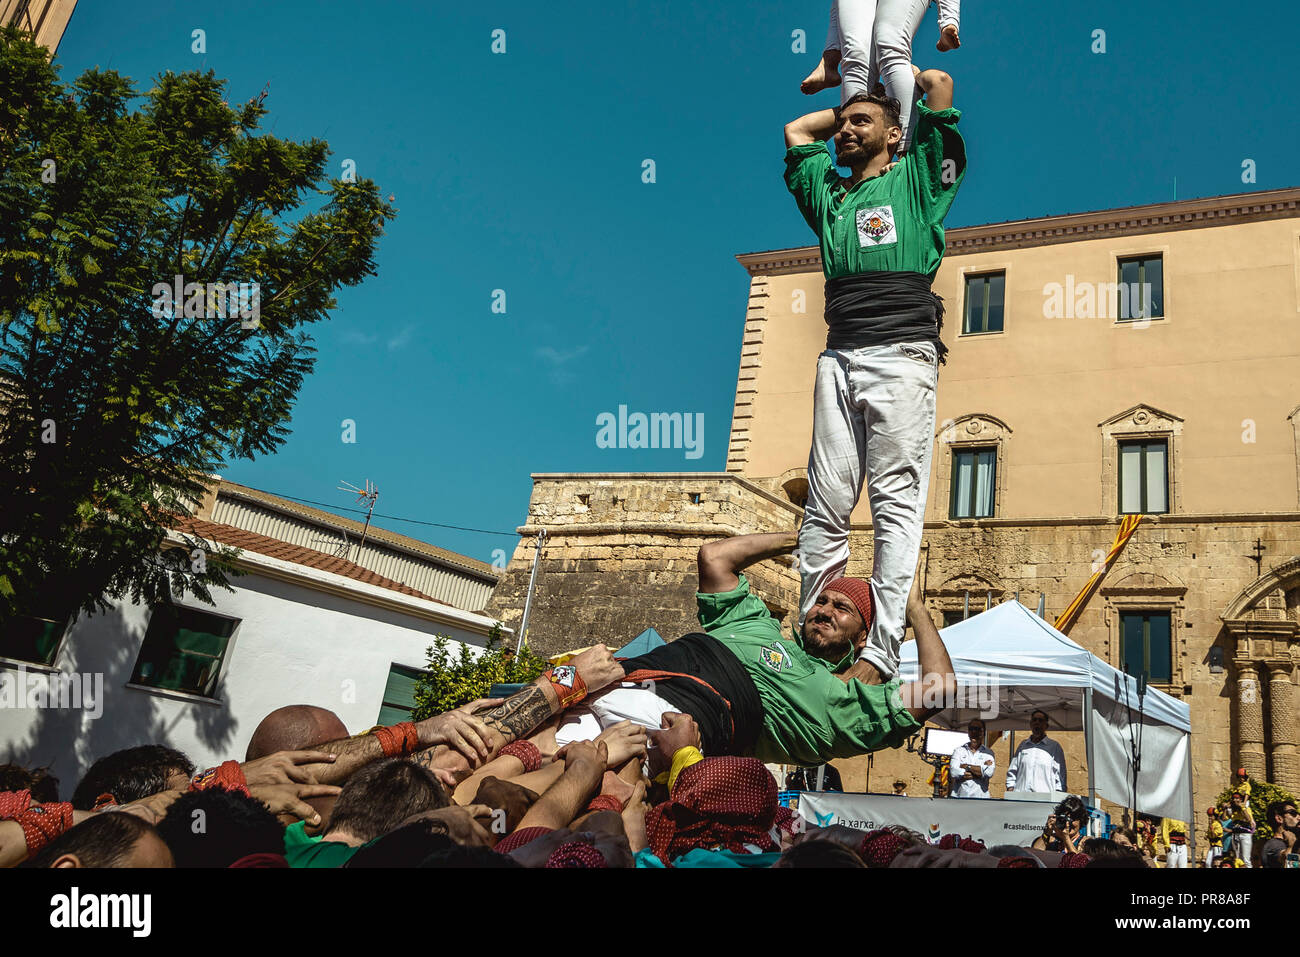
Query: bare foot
[824,75]
[948,39]
[616,787]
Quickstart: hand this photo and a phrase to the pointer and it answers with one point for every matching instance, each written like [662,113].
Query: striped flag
[1126,529]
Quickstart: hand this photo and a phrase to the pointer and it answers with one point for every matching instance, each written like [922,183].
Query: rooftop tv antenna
[369,495]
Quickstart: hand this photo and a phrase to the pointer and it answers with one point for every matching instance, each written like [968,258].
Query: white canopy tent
[1010,662]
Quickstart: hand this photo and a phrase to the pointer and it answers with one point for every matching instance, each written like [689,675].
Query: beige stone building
[45,20]
[1144,359]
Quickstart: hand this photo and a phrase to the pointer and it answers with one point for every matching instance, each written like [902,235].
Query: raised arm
[937,683]
[720,561]
[810,127]
[584,767]
[937,87]
[520,714]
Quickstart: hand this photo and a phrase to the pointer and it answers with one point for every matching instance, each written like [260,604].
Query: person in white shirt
[1039,762]
[971,766]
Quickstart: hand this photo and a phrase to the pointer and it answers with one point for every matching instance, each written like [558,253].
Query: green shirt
[893,221]
[809,715]
[301,850]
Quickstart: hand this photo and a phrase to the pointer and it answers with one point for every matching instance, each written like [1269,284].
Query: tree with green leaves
[117,399]
[454,680]
[1262,794]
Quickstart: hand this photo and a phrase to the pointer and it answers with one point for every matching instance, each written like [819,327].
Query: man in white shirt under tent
[972,764]
[1039,762]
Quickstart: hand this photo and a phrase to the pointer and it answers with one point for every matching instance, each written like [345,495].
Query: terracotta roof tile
[297,554]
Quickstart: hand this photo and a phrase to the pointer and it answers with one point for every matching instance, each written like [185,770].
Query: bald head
[296,727]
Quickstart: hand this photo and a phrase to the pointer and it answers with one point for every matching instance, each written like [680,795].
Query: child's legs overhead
[833,31]
[855,20]
[896,24]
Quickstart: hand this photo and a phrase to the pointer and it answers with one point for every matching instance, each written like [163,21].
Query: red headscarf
[720,802]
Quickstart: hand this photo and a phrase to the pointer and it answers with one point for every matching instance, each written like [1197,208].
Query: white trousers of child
[874,38]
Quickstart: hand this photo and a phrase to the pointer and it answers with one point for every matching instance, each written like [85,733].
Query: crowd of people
[450,791]
[495,783]
[441,793]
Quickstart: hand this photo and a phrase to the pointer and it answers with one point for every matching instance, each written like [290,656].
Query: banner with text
[989,820]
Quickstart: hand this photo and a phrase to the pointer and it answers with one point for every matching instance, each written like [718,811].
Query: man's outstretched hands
[461,730]
[597,668]
[586,755]
[284,767]
[464,825]
[290,800]
[152,808]
[624,741]
[677,731]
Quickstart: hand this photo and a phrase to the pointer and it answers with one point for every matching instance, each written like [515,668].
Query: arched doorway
[1262,627]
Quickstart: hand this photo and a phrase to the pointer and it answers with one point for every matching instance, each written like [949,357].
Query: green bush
[1262,794]
[454,680]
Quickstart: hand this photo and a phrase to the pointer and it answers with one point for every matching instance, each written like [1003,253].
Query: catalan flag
[1126,529]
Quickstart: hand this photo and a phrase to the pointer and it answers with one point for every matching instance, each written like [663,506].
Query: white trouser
[874,38]
[1176,856]
[629,701]
[852,25]
[1241,846]
[873,419]
[1213,854]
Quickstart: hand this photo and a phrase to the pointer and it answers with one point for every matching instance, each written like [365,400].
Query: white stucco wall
[293,645]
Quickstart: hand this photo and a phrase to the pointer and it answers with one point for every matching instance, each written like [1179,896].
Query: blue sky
[522,172]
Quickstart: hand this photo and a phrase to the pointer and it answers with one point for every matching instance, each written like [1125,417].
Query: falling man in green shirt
[754,691]
[881,236]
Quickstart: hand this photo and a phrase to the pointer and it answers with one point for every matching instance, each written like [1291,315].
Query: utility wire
[395,518]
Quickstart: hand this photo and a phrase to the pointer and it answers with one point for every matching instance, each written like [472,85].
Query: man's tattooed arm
[511,720]
[519,714]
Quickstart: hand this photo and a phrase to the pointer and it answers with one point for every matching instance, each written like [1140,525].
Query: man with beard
[881,236]
[753,691]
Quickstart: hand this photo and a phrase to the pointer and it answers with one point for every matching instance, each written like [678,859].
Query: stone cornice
[1243,627]
[613,477]
[1184,518]
[1071,227]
